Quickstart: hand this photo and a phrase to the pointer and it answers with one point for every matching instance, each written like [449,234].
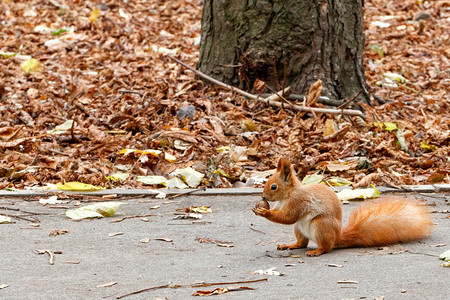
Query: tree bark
[298,41]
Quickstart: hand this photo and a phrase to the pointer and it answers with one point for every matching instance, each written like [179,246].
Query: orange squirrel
[317,214]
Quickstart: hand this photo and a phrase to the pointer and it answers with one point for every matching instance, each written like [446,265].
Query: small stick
[71,130]
[130,92]
[144,290]
[232,88]
[226,283]
[130,217]
[350,112]
[23,211]
[49,253]
[186,193]
[50,260]
[20,217]
[254,229]
[175,286]
[343,105]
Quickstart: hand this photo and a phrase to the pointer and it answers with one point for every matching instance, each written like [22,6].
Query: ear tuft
[284,168]
[281,163]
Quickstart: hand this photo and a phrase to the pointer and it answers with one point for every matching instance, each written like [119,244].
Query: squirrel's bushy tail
[385,222]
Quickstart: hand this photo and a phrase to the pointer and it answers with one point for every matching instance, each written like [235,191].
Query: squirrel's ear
[281,163]
[284,167]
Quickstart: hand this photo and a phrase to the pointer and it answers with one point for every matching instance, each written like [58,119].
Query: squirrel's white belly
[304,226]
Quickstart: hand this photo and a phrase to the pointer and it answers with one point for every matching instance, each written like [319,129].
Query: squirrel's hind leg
[327,235]
[302,241]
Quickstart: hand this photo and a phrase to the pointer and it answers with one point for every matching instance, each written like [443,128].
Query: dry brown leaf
[367,180]
[314,93]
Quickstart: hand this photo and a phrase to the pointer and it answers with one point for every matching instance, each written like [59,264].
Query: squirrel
[317,214]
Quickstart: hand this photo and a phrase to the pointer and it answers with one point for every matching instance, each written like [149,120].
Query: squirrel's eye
[273,187]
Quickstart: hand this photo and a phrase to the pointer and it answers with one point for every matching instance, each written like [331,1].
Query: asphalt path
[110,258]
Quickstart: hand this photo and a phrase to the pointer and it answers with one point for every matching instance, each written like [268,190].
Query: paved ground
[90,257]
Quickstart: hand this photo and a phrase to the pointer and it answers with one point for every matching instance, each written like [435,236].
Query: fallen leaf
[63,128]
[31,66]
[192,177]
[56,232]
[436,177]
[175,183]
[388,126]
[78,186]
[152,180]
[329,127]
[199,209]
[337,181]
[97,210]
[349,194]
[270,272]
[51,200]
[334,167]
[220,291]
[4,219]
[95,13]
[119,176]
[367,180]
[312,179]
[445,255]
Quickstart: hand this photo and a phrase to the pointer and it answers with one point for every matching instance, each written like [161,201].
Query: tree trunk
[298,41]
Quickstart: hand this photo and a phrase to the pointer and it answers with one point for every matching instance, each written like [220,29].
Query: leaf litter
[69,106]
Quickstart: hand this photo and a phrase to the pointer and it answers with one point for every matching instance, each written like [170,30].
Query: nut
[262,203]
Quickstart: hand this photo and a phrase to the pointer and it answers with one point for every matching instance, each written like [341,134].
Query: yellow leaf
[329,127]
[223,149]
[152,152]
[126,151]
[425,146]
[169,157]
[78,186]
[4,219]
[119,176]
[31,65]
[312,179]
[97,210]
[95,13]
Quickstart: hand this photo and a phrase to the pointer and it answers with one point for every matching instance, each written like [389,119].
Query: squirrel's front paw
[261,211]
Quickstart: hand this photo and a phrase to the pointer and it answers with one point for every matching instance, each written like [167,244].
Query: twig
[144,290]
[130,217]
[186,193]
[227,283]
[20,217]
[50,260]
[175,286]
[130,92]
[350,101]
[56,152]
[254,229]
[23,211]
[427,254]
[71,131]
[232,88]
[49,252]
[350,112]
[280,96]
